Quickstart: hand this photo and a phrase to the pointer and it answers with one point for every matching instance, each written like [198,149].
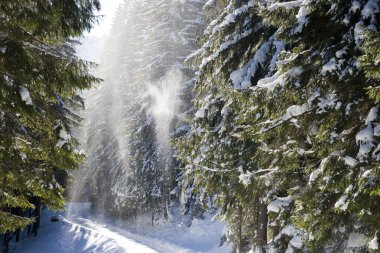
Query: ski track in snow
[85,236]
[82,235]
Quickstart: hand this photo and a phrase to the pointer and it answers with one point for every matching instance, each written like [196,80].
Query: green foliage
[40,76]
[309,121]
[219,164]
[370,61]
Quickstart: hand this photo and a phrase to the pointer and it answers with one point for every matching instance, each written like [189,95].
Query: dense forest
[262,112]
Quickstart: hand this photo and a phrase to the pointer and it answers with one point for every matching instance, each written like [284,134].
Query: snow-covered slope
[75,233]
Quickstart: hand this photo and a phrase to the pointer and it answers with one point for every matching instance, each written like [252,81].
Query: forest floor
[78,232]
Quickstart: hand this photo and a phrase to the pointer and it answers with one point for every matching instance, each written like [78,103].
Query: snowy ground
[77,233]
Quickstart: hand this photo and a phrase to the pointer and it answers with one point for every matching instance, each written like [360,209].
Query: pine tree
[317,124]
[238,50]
[39,73]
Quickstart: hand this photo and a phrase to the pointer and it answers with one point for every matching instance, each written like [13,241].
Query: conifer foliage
[39,80]
[286,127]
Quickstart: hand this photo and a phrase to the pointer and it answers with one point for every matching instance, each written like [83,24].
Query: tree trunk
[275,231]
[29,215]
[6,243]
[17,235]
[37,214]
[262,227]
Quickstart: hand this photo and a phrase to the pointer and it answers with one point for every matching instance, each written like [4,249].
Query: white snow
[279,204]
[358,32]
[64,137]
[77,232]
[356,240]
[374,244]
[372,115]
[201,113]
[365,140]
[227,44]
[286,5]
[225,110]
[208,4]
[3,50]
[297,238]
[245,178]
[25,95]
[301,17]
[342,203]
[376,130]
[296,242]
[350,161]
[329,67]
[314,175]
[367,173]
[279,79]
[339,54]
[291,111]
[355,6]
[331,101]
[280,46]
[231,18]
[241,78]
[365,137]
[370,8]
[22,156]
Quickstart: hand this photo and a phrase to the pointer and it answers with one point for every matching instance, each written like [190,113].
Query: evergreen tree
[40,76]
[238,50]
[305,108]
[316,123]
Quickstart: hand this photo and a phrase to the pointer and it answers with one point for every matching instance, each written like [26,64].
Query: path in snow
[84,235]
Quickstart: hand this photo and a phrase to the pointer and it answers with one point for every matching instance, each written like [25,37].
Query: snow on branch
[285,5]
[291,112]
[241,78]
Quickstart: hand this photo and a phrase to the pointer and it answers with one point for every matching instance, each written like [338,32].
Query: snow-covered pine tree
[40,76]
[238,50]
[317,126]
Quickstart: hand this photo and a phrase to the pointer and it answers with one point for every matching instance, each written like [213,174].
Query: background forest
[263,113]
